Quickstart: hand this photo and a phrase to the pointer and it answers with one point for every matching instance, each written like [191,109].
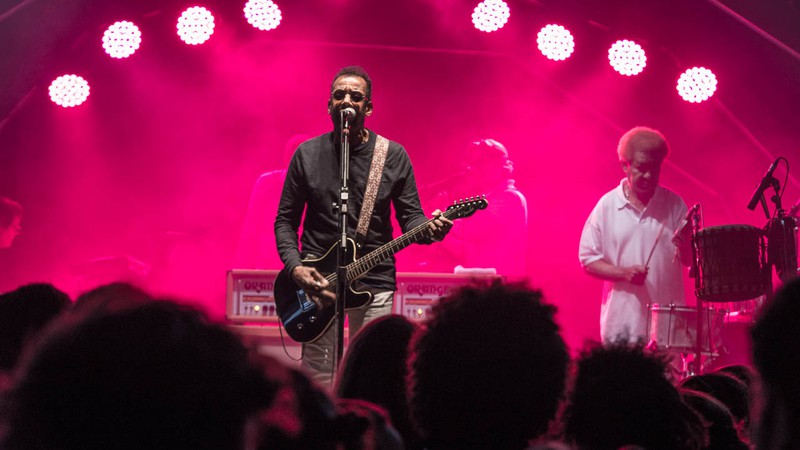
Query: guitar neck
[364,264]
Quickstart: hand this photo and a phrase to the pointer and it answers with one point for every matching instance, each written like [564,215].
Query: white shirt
[620,234]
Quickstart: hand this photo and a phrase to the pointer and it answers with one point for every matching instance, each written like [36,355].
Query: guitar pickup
[305,303]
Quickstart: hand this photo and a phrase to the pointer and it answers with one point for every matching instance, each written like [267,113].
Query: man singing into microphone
[313,184]
[628,240]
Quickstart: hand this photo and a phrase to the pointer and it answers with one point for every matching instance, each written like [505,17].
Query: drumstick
[653,249]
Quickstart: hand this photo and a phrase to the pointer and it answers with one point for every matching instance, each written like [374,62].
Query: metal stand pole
[341,251]
[695,272]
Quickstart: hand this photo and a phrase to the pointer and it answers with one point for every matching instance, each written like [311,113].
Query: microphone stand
[694,271]
[781,240]
[341,250]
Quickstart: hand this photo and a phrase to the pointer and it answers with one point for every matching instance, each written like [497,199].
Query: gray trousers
[319,355]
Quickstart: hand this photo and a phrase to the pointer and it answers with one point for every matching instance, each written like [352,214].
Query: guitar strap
[371,193]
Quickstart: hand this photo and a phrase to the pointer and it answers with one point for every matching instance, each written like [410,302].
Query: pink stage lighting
[490,15]
[69,90]
[555,42]
[627,57]
[697,84]
[195,25]
[262,14]
[122,39]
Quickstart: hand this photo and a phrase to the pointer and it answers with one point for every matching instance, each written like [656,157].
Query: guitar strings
[362,265]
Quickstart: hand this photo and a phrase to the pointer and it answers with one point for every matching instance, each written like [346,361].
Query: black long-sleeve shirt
[312,185]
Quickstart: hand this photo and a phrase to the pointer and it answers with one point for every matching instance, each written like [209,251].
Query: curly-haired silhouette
[621,396]
[157,376]
[487,370]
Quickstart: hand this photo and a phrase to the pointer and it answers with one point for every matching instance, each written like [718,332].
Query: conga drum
[732,263]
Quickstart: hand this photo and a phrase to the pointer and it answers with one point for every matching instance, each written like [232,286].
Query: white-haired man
[626,240]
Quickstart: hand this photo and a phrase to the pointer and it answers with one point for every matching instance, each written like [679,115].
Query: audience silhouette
[23,313]
[776,356]
[374,369]
[744,373]
[487,370]
[720,427]
[156,375]
[621,396]
[303,416]
[728,390]
[111,298]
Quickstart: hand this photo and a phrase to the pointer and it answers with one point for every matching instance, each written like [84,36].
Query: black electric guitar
[305,315]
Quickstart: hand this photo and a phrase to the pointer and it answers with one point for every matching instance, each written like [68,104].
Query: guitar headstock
[466,207]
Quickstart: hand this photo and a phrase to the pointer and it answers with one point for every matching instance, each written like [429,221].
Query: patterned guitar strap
[371,193]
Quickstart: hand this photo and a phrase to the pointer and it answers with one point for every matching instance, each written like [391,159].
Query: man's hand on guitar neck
[312,281]
[440,226]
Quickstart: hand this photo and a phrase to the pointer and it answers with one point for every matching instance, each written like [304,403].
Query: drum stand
[696,366]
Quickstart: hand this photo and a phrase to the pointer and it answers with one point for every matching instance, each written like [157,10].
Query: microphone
[676,236]
[347,113]
[762,186]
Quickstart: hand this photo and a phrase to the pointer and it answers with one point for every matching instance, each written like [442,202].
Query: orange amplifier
[250,293]
[416,292]
[250,296]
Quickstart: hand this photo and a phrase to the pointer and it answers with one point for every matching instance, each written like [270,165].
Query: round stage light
[555,42]
[122,39]
[697,84]
[627,57]
[490,15]
[262,14]
[69,90]
[195,25]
